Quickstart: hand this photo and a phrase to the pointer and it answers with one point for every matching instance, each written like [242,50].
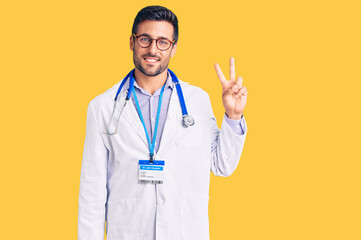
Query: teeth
[150,60]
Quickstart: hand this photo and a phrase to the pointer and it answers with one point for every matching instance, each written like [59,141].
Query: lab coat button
[159,202]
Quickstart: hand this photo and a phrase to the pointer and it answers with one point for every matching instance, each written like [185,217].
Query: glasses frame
[156,41]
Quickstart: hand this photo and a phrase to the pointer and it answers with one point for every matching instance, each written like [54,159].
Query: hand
[234,95]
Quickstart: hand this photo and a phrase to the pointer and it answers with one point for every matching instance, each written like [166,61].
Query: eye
[144,39]
[163,42]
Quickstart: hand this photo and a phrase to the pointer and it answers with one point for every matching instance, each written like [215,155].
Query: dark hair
[156,13]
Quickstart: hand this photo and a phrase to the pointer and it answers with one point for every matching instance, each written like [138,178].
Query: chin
[151,72]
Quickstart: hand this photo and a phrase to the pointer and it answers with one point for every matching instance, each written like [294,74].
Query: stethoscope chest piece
[188,121]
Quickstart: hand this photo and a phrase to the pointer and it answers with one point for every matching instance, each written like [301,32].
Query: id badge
[151,172]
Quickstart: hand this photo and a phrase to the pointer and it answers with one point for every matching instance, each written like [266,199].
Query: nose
[153,47]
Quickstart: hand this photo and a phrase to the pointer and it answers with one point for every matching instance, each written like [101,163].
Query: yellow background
[299,175]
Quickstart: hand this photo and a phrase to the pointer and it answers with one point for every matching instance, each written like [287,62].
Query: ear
[131,43]
[174,49]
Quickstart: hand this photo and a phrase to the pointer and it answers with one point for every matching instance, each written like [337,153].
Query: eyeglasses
[144,41]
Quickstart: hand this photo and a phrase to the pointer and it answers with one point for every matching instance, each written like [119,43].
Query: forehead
[156,29]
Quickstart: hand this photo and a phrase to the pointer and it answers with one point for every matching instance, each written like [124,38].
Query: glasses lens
[163,44]
[144,41]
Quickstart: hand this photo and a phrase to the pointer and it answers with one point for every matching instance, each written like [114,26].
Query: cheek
[137,53]
[140,51]
[165,56]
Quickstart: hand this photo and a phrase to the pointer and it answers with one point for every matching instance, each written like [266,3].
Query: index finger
[219,73]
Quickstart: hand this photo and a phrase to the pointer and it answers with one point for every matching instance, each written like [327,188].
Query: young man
[146,164]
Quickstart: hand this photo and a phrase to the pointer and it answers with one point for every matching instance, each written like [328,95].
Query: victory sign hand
[234,95]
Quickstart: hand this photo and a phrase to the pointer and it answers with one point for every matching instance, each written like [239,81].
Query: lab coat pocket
[194,217]
[124,220]
[192,136]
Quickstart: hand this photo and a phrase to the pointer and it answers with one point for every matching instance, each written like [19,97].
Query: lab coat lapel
[130,114]
[169,130]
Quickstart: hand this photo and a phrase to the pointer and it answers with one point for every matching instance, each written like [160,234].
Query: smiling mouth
[150,60]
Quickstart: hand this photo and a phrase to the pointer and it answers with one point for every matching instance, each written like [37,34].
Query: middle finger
[232,72]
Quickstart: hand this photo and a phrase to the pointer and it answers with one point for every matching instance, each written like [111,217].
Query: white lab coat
[174,210]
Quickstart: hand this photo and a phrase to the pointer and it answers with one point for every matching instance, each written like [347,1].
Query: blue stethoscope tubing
[187,120]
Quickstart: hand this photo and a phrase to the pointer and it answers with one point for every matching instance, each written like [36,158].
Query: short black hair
[156,13]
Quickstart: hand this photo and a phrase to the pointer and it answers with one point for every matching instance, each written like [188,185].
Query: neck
[150,84]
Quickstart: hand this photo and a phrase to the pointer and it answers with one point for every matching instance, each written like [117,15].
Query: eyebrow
[147,35]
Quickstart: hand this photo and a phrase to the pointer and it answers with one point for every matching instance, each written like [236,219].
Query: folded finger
[239,81]
[243,91]
[235,88]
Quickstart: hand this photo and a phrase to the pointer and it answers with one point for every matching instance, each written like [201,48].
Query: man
[121,182]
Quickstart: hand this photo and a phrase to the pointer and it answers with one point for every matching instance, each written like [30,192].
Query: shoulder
[197,100]
[194,92]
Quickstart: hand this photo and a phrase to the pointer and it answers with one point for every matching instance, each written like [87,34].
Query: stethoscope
[187,120]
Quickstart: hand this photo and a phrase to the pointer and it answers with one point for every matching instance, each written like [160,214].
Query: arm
[93,180]
[227,147]
[237,125]
[227,144]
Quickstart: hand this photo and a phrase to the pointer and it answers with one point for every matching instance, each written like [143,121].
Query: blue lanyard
[150,144]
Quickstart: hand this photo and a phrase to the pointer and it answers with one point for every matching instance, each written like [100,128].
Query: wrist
[234,116]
